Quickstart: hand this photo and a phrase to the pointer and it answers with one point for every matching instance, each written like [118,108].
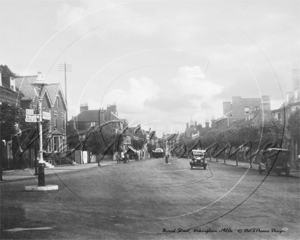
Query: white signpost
[29,111]
[32,118]
[46,116]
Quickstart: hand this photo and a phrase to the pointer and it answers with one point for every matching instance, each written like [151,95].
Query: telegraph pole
[66,68]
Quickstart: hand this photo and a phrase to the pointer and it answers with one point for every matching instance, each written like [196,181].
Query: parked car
[158,153]
[198,159]
[276,160]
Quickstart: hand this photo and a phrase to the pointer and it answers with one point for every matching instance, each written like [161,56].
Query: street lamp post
[40,83]
[1,153]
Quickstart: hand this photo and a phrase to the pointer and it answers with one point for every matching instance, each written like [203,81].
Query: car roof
[277,149]
[198,151]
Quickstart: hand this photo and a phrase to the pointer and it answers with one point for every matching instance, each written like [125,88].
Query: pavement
[17,175]
[294,172]
[25,174]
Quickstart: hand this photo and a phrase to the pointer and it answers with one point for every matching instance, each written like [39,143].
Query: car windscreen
[283,156]
[199,155]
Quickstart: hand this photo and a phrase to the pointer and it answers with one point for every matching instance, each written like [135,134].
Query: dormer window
[247,110]
[12,84]
[57,102]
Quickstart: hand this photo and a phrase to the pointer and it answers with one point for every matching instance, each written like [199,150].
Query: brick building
[253,110]
[8,91]
[53,101]
[90,118]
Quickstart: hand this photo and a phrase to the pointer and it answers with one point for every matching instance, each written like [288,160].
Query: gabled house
[92,118]
[171,138]
[53,102]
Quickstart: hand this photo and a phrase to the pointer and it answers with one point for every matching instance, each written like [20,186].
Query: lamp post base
[41,175]
[41,188]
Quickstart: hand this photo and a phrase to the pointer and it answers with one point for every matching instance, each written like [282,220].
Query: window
[57,102]
[12,84]
[55,120]
[279,116]
[55,143]
[63,123]
[247,110]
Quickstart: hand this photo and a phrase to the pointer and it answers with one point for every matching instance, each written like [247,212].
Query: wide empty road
[149,199]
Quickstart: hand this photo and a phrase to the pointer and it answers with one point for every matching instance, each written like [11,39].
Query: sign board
[32,118]
[46,115]
[29,111]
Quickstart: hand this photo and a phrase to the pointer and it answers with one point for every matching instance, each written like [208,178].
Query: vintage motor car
[198,159]
[275,160]
[158,153]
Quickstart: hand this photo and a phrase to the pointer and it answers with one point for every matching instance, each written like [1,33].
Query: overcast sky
[162,62]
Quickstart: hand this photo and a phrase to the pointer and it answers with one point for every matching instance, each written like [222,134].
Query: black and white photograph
[150,119]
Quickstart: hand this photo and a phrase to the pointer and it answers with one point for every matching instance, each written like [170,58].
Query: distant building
[171,138]
[283,113]
[151,137]
[292,99]
[239,107]
[91,118]
[244,110]
[192,130]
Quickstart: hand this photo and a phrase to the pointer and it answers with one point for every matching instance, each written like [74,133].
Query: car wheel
[278,173]
[204,167]
[260,170]
[287,172]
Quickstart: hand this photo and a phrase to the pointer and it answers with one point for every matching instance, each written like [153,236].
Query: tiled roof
[170,136]
[89,116]
[52,91]
[7,72]
[221,118]
[56,132]
[23,84]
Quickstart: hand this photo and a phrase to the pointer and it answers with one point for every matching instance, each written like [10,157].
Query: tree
[23,135]
[294,125]
[272,131]
[103,141]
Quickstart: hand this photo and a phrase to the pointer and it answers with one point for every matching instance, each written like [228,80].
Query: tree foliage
[103,140]
[271,131]
[294,125]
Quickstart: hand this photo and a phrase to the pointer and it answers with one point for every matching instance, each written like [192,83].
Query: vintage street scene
[149,119]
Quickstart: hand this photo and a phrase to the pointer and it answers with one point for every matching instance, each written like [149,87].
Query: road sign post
[46,116]
[32,118]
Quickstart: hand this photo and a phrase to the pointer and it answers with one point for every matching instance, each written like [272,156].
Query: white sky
[162,62]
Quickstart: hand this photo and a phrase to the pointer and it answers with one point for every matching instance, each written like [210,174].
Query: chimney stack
[84,107]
